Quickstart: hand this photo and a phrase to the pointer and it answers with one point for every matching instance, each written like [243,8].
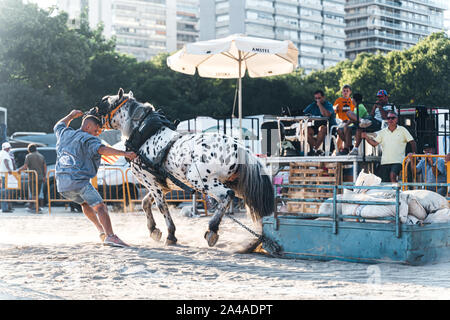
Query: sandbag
[375,211]
[327,207]
[429,200]
[415,208]
[439,216]
[366,179]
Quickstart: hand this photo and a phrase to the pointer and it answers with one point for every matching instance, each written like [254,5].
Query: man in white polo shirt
[393,140]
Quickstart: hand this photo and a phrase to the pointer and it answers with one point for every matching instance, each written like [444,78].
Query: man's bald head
[91,124]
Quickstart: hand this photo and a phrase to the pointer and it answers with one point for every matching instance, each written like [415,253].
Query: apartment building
[316,27]
[143,28]
[385,25]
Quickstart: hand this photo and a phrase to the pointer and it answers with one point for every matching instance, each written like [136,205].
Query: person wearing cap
[36,162]
[375,119]
[433,170]
[78,158]
[6,167]
[393,140]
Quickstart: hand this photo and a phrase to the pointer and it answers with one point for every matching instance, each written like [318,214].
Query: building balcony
[260,8]
[439,4]
[376,45]
[284,12]
[383,35]
[260,21]
[424,20]
[310,4]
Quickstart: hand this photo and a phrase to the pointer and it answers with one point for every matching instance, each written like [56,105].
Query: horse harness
[149,123]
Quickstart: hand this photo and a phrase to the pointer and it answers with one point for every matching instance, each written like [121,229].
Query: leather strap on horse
[156,169]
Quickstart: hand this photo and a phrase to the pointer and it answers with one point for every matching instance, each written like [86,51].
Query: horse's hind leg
[200,177]
[155,233]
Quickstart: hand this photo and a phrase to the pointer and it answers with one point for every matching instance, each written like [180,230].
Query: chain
[272,247]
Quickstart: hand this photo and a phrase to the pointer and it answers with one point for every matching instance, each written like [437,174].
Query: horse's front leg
[155,233]
[164,209]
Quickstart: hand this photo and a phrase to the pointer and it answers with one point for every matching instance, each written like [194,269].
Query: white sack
[415,208]
[327,208]
[430,201]
[440,216]
[366,179]
[372,211]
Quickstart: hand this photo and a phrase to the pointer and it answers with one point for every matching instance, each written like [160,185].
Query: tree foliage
[47,69]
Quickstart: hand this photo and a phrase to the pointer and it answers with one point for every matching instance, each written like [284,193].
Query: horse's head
[120,112]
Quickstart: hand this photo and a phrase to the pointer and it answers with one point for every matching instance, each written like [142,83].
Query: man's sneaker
[354,152]
[320,152]
[343,152]
[365,123]
[114,241]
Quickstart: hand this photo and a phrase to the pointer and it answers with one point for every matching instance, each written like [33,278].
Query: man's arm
[108,151]
[413,145]
[372,142]
[72,115]
[383,112]
[5,161]
[24,167]
[323,110]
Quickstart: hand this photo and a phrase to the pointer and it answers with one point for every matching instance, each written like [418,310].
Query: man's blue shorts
[86,194]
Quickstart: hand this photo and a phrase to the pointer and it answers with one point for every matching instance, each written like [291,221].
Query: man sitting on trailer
[433,170]
[319,108]
[393,141]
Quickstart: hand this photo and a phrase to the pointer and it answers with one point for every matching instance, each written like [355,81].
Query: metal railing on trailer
[334,216]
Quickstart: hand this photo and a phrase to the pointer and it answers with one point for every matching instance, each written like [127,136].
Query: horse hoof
[171,242]
[156,234]
[211,237]
[255,246]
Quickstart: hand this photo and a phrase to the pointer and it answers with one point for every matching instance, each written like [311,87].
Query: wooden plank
[314,164]
[309,194]
[312,171]
[321,179]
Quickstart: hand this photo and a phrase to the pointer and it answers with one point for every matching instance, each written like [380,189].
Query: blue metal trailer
[304,236]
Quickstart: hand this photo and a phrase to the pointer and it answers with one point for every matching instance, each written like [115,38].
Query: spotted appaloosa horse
[212,163]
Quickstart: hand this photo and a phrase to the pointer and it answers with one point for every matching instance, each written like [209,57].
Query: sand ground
[59,256]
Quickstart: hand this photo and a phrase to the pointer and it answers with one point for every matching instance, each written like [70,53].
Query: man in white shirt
[393,140]
[6,167]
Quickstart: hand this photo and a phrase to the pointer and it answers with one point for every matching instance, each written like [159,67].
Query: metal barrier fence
[110,183]
[136,192]
[410,173]
[116,186]
[20,188]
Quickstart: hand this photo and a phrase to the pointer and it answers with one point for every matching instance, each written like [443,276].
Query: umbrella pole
[240,98]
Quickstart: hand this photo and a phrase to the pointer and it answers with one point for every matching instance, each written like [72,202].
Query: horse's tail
[254,185]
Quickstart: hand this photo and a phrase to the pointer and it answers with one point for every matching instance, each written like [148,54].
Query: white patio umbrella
[230,57]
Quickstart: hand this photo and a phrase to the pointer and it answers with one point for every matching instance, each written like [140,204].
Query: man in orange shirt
[341,106]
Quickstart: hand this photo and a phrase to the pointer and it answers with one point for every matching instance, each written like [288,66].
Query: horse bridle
[106,119]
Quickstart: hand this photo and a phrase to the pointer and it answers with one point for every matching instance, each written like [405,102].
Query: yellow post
[94,182]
